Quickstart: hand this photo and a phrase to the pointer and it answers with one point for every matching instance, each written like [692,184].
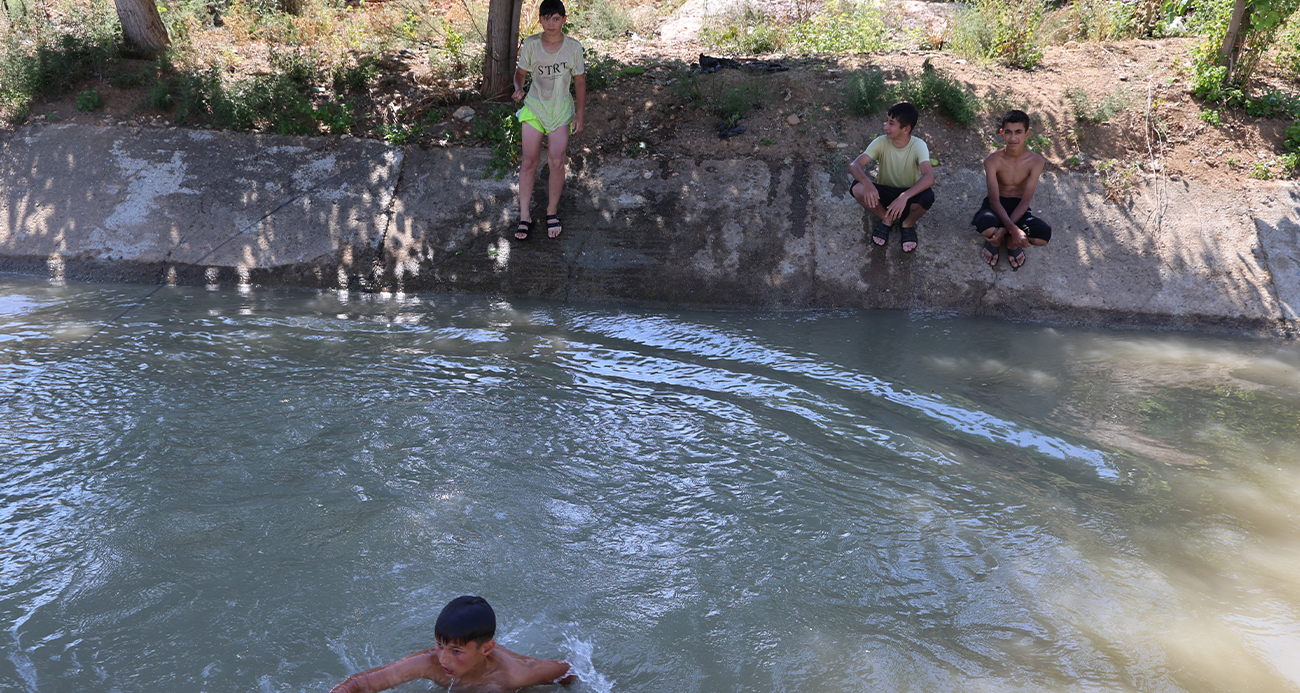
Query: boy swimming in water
[1005,219]
[465,658]
[901,190]
[553,59]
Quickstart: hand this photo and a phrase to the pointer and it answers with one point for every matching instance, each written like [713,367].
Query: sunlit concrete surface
[185,206]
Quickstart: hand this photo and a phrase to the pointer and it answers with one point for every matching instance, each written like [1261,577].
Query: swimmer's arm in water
[421,665]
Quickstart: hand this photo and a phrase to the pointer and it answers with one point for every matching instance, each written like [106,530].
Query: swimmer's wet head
[464,632]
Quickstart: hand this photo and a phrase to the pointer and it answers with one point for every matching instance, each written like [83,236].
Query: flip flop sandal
[553,223]
[993,250]
[526,228]
[880,236]
[1014,255]
[908,235]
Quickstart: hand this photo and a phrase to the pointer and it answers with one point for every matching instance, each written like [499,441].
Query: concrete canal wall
[188,206]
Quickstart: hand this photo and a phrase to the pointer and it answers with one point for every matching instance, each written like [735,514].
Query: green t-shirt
[898,168]
[548,98]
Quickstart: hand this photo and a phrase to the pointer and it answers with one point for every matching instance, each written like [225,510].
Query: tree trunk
[502,51]
[293,7]
[141,24]
[1230,52]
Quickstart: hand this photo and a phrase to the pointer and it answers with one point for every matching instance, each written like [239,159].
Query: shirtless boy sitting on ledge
[466,658]
[1005,219]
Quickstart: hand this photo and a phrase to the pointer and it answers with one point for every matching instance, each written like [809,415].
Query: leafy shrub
[499,131]
[733,101]
[1212,117]
[1001,30]
[935,91]
[1292,142]
[843,26]
[1085,111]
[89,100]
[601,70]
[601,19]
[744,31]
[865,92]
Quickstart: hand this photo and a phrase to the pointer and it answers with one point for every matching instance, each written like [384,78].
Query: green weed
[1211,116]
[601,19]
[865,92]
[1006,31]
[499,131]
[602,70]
[1292,141]
[743,31]
[843,26]
[89,100]
[935,91]
[1260,170]
[1085,111]
[1039,143]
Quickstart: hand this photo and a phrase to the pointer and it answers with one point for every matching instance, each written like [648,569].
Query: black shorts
[889,193]
[1030,224]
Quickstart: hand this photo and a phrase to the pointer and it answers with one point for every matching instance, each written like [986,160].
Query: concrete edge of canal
[195,207]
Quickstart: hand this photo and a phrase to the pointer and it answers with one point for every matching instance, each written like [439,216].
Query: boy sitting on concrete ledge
[1005,218]
[901,191]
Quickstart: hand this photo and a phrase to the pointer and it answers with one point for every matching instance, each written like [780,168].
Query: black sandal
[1014,255]
[525,228]
[553,223]
[880,236]
[993,251]
[907,235]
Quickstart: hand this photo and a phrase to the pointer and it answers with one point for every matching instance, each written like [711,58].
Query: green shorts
[526,116]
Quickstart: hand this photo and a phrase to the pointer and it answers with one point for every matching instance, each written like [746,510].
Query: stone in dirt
[464,113]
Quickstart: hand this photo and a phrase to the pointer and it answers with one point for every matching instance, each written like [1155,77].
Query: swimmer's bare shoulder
[519,671]
[1014,175]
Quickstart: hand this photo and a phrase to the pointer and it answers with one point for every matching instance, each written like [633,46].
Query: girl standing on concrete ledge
[553,60]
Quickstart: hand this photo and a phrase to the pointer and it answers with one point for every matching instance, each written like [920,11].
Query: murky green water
[267,490]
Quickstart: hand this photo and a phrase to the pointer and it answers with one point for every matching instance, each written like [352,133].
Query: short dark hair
[905,113]
[550,7]
[465,619]
[1015,116]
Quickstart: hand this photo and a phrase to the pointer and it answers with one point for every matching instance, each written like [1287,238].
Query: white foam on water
[579,659]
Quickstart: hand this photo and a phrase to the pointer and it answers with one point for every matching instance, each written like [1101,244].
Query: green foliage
[1264,21]
[733,101]
[1292,141]
[602,70]
[685,84]
[843,26]
[1212,117]
[935,91]
[744,31]
[1085,111]
[1093,20]
[498,130]
[865,92]
[353,78]
[1038,143]
[131,80]
[600,19]
[1006,31]
[397,133]
[89,100]
[461,55]
[337,116]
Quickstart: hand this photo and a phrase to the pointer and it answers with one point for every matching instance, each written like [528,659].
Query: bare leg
[555,163]
[532,154]
[858,194]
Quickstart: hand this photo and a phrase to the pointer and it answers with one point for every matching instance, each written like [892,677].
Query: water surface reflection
[248,490]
